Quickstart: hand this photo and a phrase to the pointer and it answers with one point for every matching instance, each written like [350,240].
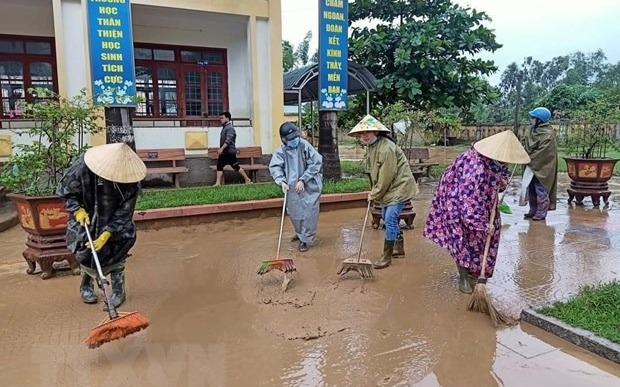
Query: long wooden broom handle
[359,251]
[487,246]
[281,225]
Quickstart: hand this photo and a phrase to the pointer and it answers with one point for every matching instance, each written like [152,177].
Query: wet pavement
[214,323]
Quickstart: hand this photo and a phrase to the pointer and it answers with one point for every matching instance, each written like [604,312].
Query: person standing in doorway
[391,180]
[298,168]
[540,143]
[227,153]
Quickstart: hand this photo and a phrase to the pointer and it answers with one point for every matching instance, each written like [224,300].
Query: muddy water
[214,323]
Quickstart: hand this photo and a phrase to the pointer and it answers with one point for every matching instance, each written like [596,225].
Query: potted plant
[587,140]
[39,158]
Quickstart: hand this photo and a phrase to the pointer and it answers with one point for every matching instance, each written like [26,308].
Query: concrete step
[8,215]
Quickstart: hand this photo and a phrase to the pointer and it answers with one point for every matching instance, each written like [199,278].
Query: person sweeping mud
[541,144]
[391,180]
[459,216]
[100,190]
[297,166]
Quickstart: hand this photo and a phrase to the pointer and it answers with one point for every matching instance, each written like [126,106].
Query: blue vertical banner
[333,54]
[111,52]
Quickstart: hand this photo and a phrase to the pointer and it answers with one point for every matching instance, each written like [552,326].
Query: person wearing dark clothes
[227,154]
[100,190]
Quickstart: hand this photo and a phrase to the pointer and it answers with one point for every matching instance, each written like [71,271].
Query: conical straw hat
[504,147]
[368,124]
[115,162]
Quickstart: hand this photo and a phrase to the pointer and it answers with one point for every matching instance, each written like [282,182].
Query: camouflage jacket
[110,207]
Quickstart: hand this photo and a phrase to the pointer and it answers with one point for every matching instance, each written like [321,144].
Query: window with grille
[180,81]
[25,62]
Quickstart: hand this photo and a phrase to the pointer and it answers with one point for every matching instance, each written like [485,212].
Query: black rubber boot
[118,288]
[386,258]
[87,290]
[399,245]
[464,285]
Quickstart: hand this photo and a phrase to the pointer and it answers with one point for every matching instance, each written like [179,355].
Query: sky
[542,29]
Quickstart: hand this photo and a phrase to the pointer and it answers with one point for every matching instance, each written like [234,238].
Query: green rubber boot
[87,290]
[464,285]
[399,245]
[118,288]
[386,258]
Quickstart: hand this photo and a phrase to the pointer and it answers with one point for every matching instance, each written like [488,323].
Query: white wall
[174,137]
[75,46]
[26,17]
[264,83]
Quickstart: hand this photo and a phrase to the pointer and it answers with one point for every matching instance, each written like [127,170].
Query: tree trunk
[119,126]
[328,144]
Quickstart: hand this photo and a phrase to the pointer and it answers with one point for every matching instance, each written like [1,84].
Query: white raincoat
[291,165]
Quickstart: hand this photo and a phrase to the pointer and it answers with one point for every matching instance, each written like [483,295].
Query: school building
[193,60]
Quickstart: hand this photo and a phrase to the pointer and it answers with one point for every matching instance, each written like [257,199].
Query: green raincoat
[542,146]
[390,174]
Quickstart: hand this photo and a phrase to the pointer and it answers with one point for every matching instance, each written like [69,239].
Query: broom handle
[487,246]
[359,251]
[95,256]
[509,180]
[281,225]
[111,310]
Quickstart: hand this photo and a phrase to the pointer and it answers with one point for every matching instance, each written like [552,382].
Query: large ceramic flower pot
[589,177]
[45,220]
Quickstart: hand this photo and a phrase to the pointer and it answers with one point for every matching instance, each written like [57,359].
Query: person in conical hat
[541,144]
[459,217]
[100,190]
[391,180]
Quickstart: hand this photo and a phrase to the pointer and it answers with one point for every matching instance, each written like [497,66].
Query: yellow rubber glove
[81,216]
[101,241]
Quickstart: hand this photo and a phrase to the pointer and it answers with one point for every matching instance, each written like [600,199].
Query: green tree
[288,56]
[303,50]
[423,52]
[563,100]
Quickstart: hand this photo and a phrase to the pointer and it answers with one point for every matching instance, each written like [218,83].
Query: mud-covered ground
[215,323]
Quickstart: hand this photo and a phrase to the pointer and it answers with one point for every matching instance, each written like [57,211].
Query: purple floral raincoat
[461,210]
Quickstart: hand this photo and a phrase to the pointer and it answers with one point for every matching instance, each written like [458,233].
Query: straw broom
[362,266]
[481,300]
[118,324]
[285,265]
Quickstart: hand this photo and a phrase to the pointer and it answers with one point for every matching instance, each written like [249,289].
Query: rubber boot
[87,290]
[386,258]
[464,285]
[399,245]
[118,288]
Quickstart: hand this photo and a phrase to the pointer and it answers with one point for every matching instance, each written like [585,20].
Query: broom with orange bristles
[118,324]
[284,265]
[481,300]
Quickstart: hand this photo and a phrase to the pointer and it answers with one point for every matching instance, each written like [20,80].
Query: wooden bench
[418,160]
[250,153]
[154,158]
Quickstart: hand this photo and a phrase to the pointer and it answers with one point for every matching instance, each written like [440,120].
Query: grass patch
[352,168]
[166,198]
[595,308]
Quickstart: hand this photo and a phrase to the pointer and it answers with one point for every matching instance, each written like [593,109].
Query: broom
[118,324]
[362,266]
[284,265]
[481,300]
